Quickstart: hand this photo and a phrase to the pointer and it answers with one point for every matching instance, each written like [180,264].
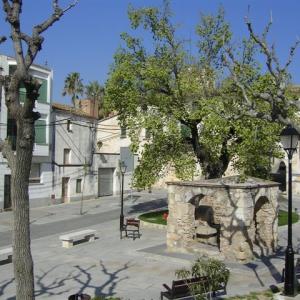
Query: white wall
[39,194]
[80,140]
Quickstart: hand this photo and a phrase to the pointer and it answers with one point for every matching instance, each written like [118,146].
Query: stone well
[223,217]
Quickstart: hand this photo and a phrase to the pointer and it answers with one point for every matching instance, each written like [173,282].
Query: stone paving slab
[131,269]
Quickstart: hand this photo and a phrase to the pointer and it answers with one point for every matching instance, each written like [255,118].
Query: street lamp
[289,140]
[122,168]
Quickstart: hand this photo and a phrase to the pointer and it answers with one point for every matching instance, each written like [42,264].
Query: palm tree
[73,86]
[94,91]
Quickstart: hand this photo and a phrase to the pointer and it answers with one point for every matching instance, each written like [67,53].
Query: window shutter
[40,132]
[22,93]
[43,92]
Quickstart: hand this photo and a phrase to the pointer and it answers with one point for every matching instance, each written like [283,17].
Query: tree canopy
[73,86]
[192,106]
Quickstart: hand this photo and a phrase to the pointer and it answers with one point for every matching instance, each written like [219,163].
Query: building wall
[109,141]
[39,192]
[80,141]
[295,170]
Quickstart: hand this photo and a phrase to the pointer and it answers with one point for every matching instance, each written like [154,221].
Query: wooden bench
[83,235]
[6,255]
[132,225]
[182,288]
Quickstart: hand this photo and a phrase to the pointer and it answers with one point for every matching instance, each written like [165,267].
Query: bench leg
[67,244]
[91,238]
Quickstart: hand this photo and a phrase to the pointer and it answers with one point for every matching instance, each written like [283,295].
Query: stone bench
[83,235]
[6,255]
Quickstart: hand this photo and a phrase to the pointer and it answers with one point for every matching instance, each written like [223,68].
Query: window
[22,93]
[67,155]
[35,173]
[123,132]
[78,185]
[69,126]
[40,132]
[42,98]
[43,91]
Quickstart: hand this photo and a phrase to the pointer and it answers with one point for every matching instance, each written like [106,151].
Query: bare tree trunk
[23,263]
[211,167]
[20,160]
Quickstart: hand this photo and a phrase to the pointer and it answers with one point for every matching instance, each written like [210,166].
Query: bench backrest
[184,286]
[133,222]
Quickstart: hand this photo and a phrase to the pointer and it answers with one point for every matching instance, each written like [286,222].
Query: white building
[112,147]
[73,154]
[41,174]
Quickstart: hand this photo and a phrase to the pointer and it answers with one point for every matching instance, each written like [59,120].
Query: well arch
[235,208]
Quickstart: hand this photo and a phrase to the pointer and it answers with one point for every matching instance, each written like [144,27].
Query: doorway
[105,181]
[65,189]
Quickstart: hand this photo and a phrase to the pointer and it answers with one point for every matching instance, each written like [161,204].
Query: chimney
[90,107]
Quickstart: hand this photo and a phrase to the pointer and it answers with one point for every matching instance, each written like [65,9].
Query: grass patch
[265,295]
[154,217]
[157,217]
[105,298]
[283,218]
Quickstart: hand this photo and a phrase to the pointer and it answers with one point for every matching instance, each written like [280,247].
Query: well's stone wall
[239,218]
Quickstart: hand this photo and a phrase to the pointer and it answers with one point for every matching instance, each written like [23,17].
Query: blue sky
[87,37]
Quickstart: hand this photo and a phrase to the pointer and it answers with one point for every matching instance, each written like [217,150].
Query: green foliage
[95,91]
[214,33]
[283,218]
[73,86]
[154,217]
[193,113]
[215,270]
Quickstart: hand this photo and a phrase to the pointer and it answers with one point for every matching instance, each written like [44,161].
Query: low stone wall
[244,213]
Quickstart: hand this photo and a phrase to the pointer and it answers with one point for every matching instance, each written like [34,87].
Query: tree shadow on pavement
[43,287]
[149,205]
[4,284]
[267,262]
[57,286]
[110,283]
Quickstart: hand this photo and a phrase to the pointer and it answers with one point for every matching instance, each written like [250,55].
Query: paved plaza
[131,269]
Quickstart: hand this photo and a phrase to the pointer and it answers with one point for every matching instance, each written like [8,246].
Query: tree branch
[263,45]
[7,152]
[35,42]
[13,17]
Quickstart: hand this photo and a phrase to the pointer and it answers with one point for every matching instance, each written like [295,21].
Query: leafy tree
[192,111]
[95,92]
[26,47]
[73,86]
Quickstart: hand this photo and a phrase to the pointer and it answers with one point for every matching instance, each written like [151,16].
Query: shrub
[215,271]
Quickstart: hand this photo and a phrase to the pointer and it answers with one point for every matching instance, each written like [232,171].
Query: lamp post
[289,140]
[123,168]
